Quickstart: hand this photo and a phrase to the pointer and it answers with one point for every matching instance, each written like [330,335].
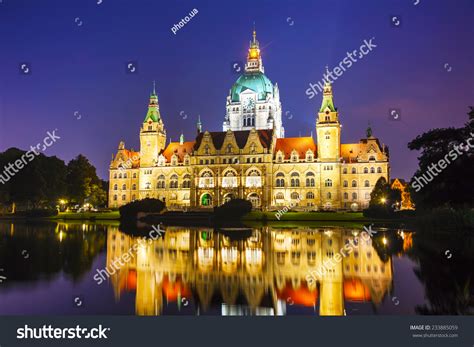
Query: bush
[130,210]
[233,209]
[37,213]
[378,211]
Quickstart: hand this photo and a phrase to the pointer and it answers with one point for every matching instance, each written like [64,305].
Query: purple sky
[77,51]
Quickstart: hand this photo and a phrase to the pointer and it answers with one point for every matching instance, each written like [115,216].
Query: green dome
[256,82]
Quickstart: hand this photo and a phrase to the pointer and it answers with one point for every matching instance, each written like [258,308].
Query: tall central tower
[328,128]
[152,133]
[253,101]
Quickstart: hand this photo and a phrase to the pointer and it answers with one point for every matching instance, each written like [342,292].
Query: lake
[93,268]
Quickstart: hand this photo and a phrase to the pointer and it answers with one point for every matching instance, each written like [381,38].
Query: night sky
[77,52]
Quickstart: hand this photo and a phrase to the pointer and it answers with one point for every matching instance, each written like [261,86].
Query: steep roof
[241,137]
[300,144]
[350,151]
[179,149]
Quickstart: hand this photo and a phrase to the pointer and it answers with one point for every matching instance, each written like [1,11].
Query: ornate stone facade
[250,159]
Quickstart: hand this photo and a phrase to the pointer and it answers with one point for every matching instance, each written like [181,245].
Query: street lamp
[383,200]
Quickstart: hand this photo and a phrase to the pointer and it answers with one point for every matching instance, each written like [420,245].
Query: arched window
[345,184]
[134,175]
[115,197]
[133,197]
[120,175]
[328,183]
[229,149]
[124,197]
[310,182]
[354,170]
[134,186]
[124,186]
[346,196]
[366,170]
[280,179]
[354,183]
[310,195]
[161,182]
[372,158]
[115,175]
[344,171]
[279,196]
[354,196]
[187,181]
[206,180]
[206,149]
[295,196]
[328,195]
[295,179]
[174,181]
[372,170]
[115,187]
[379,170]
[125,175]
[366,183]
[253,179]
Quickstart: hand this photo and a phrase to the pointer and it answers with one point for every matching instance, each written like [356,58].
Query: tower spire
[369,130]
[327,94]
[199,125]
[153,113]
[254,60]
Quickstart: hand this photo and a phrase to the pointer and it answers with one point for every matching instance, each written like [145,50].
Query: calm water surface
[76,268]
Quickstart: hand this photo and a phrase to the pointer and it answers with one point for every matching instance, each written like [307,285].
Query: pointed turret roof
[153,113]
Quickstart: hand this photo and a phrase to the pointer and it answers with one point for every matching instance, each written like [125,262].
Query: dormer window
[229,149]
[253,148]
[206,149]
[294,156]
[174,160]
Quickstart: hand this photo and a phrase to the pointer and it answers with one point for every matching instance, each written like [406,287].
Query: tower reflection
[201,271]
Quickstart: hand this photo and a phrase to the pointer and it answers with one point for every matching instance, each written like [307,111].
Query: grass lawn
[307,216]
[88,215]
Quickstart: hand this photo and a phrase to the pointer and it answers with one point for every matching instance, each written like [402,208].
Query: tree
[37,184]
[83,184]
[384,195]
[451,185]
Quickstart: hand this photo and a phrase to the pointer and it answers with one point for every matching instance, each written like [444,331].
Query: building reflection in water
[200,271]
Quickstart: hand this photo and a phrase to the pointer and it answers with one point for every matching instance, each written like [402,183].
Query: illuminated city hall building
[198,271]
[251,158]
